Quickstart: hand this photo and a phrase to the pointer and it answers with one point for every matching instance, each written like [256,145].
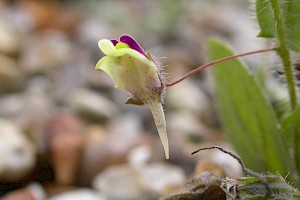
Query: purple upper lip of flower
[131,43]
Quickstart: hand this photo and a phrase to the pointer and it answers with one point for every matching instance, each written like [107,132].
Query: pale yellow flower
[133,70]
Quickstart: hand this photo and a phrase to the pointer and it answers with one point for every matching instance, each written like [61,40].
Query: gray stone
[80,194]
[185,123]
[90,104]
[32,113]
[160,177]
[18,155]
[120,182]
[127,126]
[11,105]
[101,150]
[11,77]
[132,183]
[187,96]
[46,51]
[9,40]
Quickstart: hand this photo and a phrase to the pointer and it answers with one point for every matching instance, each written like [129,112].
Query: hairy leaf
[291,129]
[265,18]
[288,19]
[248,119]
[292,23]
[291,124]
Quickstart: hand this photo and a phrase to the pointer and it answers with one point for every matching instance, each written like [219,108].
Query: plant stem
[284,52]
[198,69]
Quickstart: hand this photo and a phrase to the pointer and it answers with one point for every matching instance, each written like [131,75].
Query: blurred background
[65,132]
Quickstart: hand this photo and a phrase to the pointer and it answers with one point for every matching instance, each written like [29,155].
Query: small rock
[9,40]
[147,182]
[140,155]
[120,182]
[90,31]
[44,52]
[66,151]
[18,155]
[53,15]
[187,96]
[160,177]
[218,163]
[206,165]
[100,151]
[19,21]
[205,186]
[25,110]
[65,144]
[63,124]
[185,123]
[19,194]
[90,104]
[231,166]
[11,78]
[127,126]
[37,191]
[11,105]
[80,194]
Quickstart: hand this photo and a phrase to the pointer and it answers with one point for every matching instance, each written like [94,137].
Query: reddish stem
[198,69]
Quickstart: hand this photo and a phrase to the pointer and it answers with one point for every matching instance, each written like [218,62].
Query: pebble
[130,183]
[160,177]
[45,51]
[18,155]
[140,155]
[19,194]
[80,194]
[127,125]
[230,165]
[11,105]
[90,104]
[101,150]
[30,110]
[205,186]
[65,146]
[11,78]
[33,191]
[9,40]
[187,96]
[206,165]
[185,123]
[218,163]
[66,151]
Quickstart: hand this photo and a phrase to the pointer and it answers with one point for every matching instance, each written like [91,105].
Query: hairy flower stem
[198,69]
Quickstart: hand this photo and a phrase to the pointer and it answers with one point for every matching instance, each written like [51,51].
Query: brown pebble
[65,144]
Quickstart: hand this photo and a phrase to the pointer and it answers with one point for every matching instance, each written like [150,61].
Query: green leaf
[291,130]
[290,125]
[265,18]
[248,118]
[288,19]
[254,189]
[292,23]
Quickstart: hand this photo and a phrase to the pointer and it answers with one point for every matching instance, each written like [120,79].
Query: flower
[134,70]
